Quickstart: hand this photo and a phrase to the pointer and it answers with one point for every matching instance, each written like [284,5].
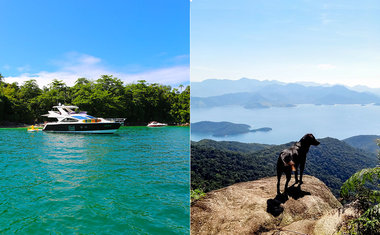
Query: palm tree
[181,87]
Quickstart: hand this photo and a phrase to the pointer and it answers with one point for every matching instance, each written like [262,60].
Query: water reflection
[71,160]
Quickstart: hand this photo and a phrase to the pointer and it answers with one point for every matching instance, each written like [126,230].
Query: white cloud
[6,67]
[326,66]
[23,68]
[170,76]
[81,65]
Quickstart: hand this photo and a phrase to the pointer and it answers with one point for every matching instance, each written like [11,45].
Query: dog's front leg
[279,173]
[296,173]
[288,173]
[302,167]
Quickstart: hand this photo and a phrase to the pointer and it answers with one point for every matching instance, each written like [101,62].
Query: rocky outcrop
[254,208]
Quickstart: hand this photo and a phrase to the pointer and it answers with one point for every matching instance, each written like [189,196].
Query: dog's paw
[300,182]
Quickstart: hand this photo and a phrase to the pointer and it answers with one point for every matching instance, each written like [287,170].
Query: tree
[81,94]
[29,93]
[107,96]
[1,83]
[181,105]
[180,87]
[29,90]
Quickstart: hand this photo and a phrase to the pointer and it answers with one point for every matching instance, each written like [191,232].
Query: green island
[219,129]
[107,96]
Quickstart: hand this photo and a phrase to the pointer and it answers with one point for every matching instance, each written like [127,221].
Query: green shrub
[196,194]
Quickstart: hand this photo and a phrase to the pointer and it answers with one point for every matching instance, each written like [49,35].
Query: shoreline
[15,126]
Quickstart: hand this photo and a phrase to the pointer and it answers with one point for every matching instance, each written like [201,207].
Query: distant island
[219,129]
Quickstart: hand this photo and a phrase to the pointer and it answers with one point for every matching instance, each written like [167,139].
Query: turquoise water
[290,124]
[132,182]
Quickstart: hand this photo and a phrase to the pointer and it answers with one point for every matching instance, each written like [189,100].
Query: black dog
[292,158]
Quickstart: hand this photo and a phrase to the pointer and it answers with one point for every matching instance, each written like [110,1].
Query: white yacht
[69,121]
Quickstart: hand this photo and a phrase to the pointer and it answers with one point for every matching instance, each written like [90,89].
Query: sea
[291,123]
[135,181]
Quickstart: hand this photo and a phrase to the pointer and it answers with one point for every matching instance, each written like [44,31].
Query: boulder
[255,208]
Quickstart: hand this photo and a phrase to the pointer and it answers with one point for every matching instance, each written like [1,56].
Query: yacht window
[69,120]
[56,111]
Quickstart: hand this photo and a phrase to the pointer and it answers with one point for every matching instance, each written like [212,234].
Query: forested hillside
[214,167]
[139,102]
[365,142]
[232,145]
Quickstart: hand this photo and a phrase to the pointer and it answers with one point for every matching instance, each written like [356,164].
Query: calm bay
[135,181]
[291,123]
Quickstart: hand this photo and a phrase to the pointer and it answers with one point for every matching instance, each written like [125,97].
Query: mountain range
[218,164]
[252,93]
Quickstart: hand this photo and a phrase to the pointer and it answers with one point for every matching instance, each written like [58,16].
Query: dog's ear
[307,137]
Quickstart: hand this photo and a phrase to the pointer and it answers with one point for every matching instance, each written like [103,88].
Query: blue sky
[131,40]
[334,42]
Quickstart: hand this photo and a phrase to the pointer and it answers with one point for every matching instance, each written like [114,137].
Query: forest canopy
[107,97]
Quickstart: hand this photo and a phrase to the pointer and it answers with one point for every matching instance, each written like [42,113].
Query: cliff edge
[254,208]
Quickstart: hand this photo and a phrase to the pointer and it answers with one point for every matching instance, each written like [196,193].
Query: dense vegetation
[214,167]
[232,145]
[139,102]
[364,188]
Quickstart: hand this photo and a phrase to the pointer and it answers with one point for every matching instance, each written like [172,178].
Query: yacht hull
[89,128]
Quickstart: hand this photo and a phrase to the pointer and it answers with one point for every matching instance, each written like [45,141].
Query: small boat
[70,121]
[33,129]
[156,124]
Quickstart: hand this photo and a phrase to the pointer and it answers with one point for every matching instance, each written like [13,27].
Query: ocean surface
[291,123]
[133,182]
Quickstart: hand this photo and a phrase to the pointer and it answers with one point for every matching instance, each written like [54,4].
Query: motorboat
[156,124]
[70,121]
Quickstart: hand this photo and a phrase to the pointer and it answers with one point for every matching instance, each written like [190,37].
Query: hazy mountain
[214,167]
[365,142]
[216,87]
[375,91]
[267,94]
